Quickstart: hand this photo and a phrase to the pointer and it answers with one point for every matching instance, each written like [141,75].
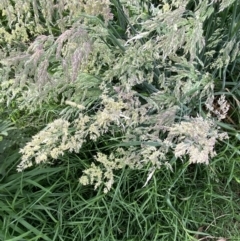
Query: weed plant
[119,120]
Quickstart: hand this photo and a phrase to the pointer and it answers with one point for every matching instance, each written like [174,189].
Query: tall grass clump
[114,106]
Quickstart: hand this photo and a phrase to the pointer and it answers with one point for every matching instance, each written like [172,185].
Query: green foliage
[115,94]
[187,204]
[4,128]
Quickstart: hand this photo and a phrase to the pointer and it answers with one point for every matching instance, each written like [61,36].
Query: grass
[190,203]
